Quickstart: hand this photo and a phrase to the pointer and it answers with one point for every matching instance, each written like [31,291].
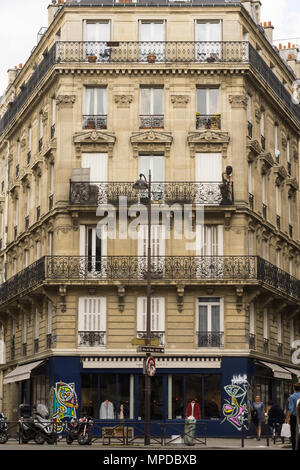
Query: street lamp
[142,185]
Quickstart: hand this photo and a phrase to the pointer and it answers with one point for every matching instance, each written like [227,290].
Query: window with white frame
[97,33]
[208,114]
[210,322]
[24,328]
[208,178]
[95,108]
[151,107]
[91,321]
[208,37]
[158,240]
[266,330]
[157,318]
[251,326]
[92,250]
[152,39]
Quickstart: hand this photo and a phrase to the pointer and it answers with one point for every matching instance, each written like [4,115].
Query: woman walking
[258,415]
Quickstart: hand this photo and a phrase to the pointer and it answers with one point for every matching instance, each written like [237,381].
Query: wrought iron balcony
[91,338]
[90,121]
[163,51]
[96,193]
[252,341]
[250,129]
[210,339]
[151,121]
[154,335]
[205,121]
[111,269]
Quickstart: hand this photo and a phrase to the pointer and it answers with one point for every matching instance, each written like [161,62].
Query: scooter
[38,428]
[80,429]
[3,429]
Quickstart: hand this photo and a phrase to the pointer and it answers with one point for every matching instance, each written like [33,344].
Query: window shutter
[157,314]
[92,314]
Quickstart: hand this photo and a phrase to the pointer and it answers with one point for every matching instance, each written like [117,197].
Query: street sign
[143,341]
[151,349]
[150,366]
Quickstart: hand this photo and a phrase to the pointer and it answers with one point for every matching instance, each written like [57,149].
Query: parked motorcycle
[38,428]
[80,429]
[3,429]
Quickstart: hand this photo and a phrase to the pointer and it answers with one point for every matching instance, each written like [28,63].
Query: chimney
[52,9]
[12,73]
[253,7]
[269,30]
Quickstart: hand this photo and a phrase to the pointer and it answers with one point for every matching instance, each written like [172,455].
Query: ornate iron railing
[150,121]
[94,121]
[210,339]
[205,121]
[165,268]
[91,338]
[96,193]
[163,51]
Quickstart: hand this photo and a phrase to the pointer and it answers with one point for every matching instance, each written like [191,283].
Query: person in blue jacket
[292,413]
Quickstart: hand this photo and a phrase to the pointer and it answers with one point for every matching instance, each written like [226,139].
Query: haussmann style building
[196,92]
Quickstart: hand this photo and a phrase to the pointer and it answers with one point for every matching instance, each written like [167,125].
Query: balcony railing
[96,193]
[91,338]
[212,121]
[150,121]
[210,339]
[94,121]
[208,269]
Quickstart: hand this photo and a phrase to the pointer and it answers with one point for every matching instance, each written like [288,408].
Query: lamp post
[142,185]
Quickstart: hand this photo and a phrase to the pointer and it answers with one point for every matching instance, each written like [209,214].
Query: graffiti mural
[236,408]
[64,403]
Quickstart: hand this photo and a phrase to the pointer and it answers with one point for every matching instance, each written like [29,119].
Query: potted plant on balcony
[92,58]
[90,124]
[215,122]
[151,58]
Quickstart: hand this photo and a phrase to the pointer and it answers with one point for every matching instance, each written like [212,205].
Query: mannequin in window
[107,410]
[193,409]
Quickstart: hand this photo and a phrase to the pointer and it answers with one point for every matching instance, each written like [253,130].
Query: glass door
[152,40]
[97,33]
[208,37]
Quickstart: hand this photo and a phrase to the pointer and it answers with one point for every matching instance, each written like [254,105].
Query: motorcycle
[3,429]
[80,429]
[38,428]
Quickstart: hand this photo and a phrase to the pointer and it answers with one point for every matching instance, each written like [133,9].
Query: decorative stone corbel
[62,294]
[180,294]
[121,298]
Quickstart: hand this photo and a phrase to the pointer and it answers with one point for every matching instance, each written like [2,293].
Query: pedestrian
[292,413]
[258,415]
[276,418]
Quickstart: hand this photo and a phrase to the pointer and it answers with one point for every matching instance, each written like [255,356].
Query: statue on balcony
[226,186]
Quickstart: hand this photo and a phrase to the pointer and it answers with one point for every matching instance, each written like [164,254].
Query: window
[95,108]
[91,321]
[26,258]
[209,241]
[92,251]
[208,108]
[97,164]
[264,195]
[97,33]
[210,322]
[38,249]
[262,130]
[41,131]
[51,185]
[156,164]
[49,322]
[208,178]
[152,39]
[251,242]
[288,156]
[157,318]
[265,249]
[266,331]
[276,150]
[53,116]
[251,326]
[27,207]
[29,144]
[249,115]
[50,241]
[38,196]
[24,328]
[151,107]
[157,250]
[250,186]
[208,36]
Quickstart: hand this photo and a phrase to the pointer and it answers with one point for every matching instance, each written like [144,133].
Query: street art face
[65,403]
[236,407]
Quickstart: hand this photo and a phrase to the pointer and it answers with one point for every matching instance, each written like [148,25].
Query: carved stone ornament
[123,101]
[151,141]
[95,140]
[238,101]
[254,149]
[293,185]
[208,141]
[65,100]
[281,174]
[267,162]
[180,101]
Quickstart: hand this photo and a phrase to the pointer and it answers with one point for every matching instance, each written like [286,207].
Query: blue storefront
[223,387]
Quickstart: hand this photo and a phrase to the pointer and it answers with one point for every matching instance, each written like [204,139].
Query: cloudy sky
[20,21]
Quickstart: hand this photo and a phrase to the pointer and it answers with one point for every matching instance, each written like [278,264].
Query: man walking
[292,413]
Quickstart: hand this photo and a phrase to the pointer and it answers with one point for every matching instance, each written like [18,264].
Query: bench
[118,432]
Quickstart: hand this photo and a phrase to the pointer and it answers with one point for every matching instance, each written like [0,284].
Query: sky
[20,21]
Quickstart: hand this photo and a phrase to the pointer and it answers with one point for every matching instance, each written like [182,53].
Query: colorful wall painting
[64,403]
[236,408]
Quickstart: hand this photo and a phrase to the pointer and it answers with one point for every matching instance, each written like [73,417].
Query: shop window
[178,408]
[157,402]
[212,397]
[40,388]
[89,395]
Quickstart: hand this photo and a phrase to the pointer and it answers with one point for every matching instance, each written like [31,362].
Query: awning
[278,372]
[21,372]
[293,371]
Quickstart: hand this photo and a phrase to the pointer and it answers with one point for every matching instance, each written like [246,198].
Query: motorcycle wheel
[83,439]
[69,440]
[3,437]
[39,438]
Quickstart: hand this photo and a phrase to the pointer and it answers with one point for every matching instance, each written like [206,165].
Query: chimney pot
[270,23]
